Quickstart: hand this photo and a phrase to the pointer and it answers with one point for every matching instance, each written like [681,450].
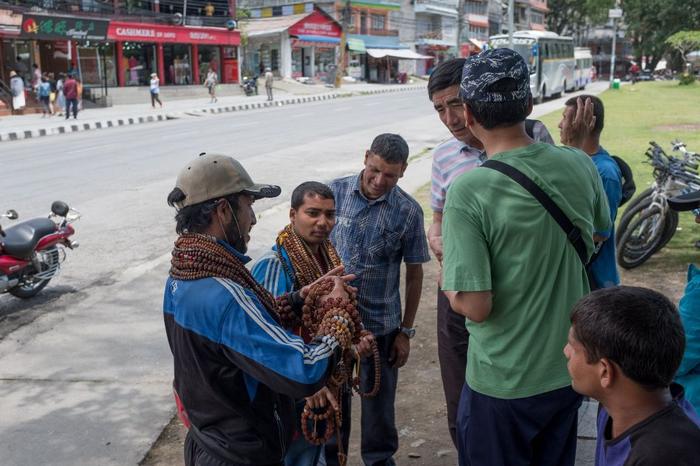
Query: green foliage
[686,79]
[651,22]
[570,17]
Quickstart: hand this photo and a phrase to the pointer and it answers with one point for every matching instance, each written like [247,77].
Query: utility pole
[460,26]
[614,13]
[340,69]
[511,22]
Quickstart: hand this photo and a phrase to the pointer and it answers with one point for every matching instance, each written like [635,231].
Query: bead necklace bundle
[198,256]
[339,318]
[306,267]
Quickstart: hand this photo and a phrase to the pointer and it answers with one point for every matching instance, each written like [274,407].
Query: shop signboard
[316,24]
[63,27]
[10,22]
[140,32]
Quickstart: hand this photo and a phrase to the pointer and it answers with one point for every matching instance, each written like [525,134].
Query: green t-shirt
[498,237]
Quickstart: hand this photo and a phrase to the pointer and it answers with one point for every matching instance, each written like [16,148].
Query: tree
[685,42]
[571,17]
[651,22]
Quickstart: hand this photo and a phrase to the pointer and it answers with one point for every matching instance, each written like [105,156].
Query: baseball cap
[487,68]
[689,201]
[211,176]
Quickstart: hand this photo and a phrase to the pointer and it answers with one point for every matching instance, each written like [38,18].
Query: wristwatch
[410,332]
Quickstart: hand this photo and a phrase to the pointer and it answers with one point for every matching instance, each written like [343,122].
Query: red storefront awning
[143,32]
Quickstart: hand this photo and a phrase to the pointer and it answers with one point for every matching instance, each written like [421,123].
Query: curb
[74,127]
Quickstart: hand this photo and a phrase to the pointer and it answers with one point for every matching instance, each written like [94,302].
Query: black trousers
[453,341]
[537,430]
[379,438]
[195,455]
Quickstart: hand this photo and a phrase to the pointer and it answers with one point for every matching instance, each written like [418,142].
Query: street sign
[615,13]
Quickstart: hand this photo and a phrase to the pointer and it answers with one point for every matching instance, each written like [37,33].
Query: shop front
[179,55]
[294,46]
[59,45]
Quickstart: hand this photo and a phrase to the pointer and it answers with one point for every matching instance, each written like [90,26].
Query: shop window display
[177,64]
[97,65]
[139,62]
[208,60]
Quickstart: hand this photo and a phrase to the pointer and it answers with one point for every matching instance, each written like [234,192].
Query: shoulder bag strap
[573,233]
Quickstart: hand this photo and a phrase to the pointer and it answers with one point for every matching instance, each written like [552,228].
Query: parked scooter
[31,252]
[250,85]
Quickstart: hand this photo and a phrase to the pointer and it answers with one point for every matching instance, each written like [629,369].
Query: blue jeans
[301,452]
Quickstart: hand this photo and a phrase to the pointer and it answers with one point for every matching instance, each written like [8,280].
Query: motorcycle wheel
[30,288]
[642,238]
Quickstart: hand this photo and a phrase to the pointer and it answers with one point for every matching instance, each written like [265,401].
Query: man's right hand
[435,243]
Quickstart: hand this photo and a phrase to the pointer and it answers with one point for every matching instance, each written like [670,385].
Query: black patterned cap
[487,68]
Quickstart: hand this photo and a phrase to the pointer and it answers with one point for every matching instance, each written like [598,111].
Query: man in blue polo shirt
[602,268]
[379,225]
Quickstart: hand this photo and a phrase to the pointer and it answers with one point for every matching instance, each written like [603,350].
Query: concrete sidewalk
[18,127]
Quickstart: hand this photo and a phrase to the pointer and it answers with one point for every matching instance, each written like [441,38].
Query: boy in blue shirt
[602,268]
[624,347]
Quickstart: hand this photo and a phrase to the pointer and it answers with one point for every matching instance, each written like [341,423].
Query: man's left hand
[400,350]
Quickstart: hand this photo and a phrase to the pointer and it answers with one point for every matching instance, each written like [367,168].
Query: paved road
[84,368]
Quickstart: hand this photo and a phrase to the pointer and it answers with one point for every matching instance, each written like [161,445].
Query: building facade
[119,43]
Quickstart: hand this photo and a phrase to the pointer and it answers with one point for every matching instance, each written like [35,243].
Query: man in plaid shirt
[379,225]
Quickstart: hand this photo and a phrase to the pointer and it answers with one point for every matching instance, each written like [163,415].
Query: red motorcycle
[31,252]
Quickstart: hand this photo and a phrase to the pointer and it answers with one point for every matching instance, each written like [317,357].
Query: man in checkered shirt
[378,226]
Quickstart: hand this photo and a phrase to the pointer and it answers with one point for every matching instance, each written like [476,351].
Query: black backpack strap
[530,127]
[573,233]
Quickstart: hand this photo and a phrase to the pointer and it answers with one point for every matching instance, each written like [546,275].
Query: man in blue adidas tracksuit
[237,372]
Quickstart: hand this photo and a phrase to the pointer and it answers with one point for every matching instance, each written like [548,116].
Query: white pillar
[285,55]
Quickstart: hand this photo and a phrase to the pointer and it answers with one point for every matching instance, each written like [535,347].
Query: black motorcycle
[250,85]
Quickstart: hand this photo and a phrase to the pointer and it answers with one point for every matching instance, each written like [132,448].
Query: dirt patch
[689,127]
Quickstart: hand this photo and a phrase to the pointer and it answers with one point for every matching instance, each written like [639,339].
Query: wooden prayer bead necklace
[306,265]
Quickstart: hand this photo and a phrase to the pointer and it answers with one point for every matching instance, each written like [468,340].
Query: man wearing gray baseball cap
[236,370]
[511,269]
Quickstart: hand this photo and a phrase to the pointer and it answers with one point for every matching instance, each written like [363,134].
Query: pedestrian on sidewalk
[70,91]
[269,79]
[155,90]
[624,347]
[210,84]
[53,95]
[44,93]
[36,78]
[17,89]
[459,154]
[237,372]
[301,255]
[514,273]
[60,97]
[379,226]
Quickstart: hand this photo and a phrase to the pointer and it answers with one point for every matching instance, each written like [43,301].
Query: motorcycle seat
[21,239]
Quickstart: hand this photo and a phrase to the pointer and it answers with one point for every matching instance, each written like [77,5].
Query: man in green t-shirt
[511,270]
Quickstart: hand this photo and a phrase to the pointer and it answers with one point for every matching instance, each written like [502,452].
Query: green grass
[652,111]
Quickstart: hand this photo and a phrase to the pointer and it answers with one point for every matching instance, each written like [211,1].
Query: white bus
[584,67]
[550,58]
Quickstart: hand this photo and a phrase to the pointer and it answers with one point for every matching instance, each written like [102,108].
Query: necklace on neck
[307,266]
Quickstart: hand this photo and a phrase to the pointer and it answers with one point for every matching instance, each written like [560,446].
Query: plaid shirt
[372,237]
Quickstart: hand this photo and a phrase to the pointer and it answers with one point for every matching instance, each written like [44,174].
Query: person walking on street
[514,273]
[155,90]
[379,226]
[44,93]
[70,91]
[269,79]
[210,84]
[236,370]
[17,89]
[459,154]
